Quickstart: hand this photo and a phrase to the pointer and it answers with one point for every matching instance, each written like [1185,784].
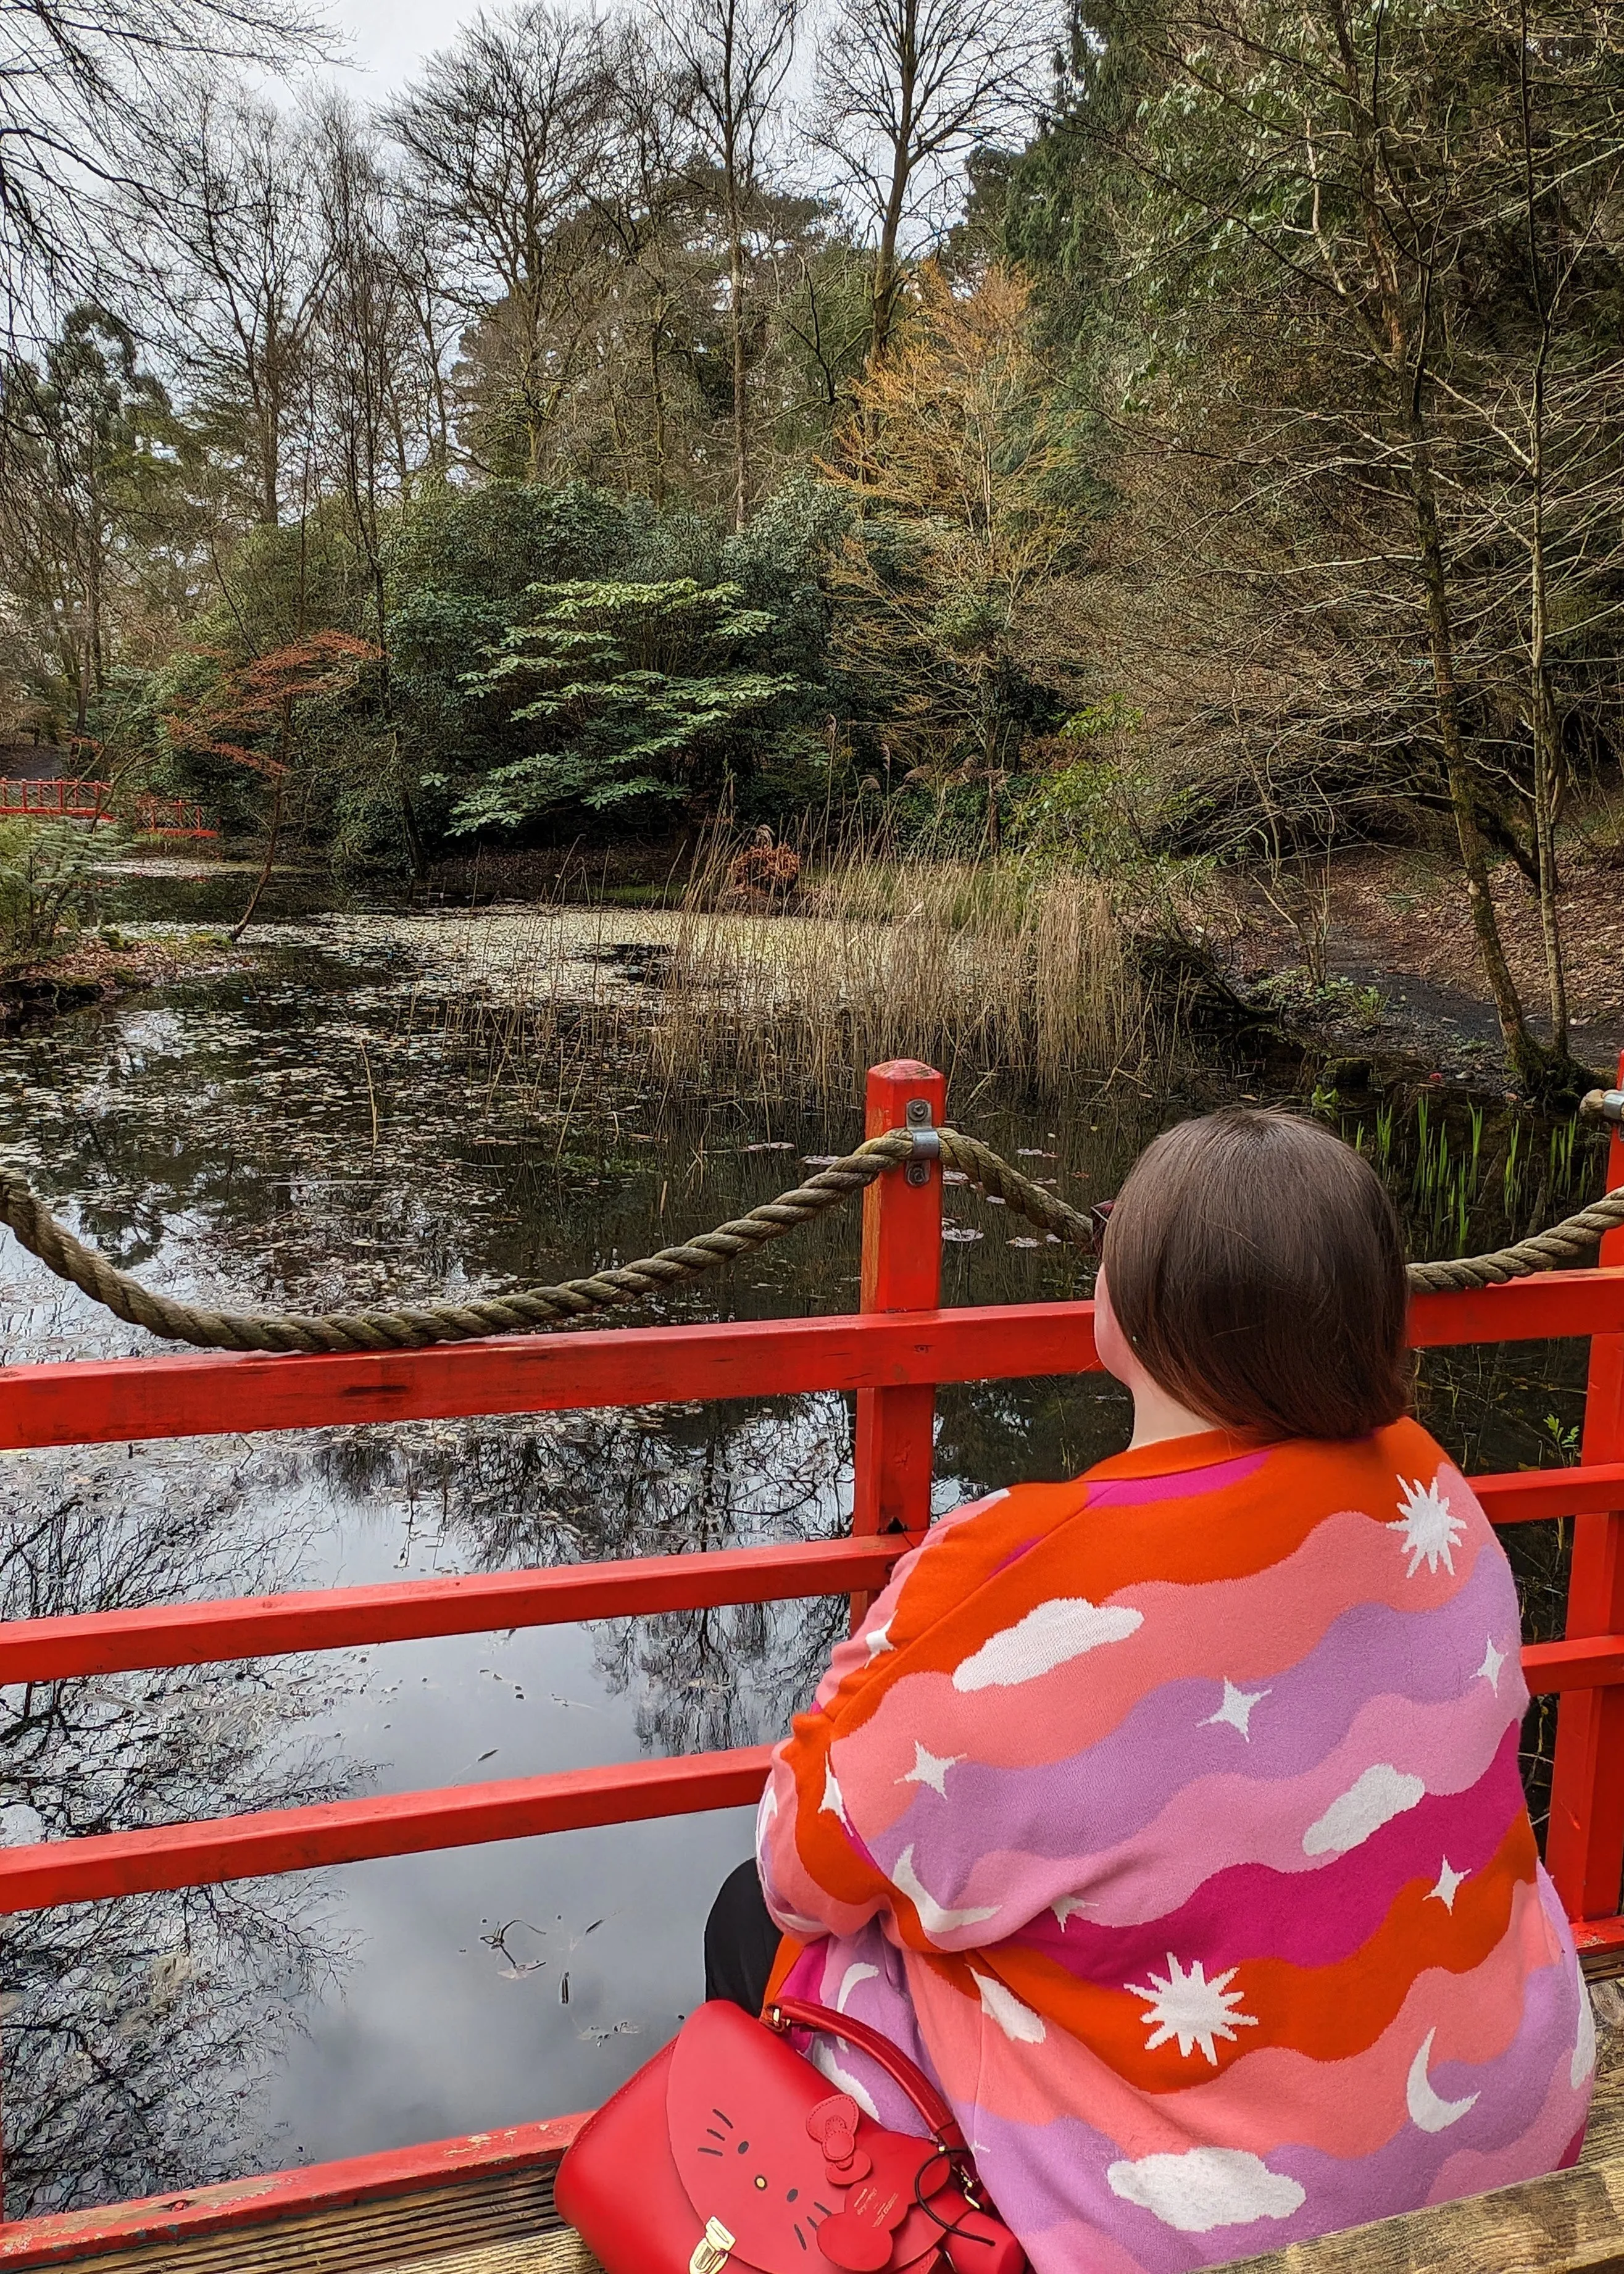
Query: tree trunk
[741,436]
[1524,1052]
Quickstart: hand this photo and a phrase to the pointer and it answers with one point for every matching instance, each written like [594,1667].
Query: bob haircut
[1255,1266]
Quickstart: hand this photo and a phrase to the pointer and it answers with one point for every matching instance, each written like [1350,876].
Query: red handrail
[893,1356]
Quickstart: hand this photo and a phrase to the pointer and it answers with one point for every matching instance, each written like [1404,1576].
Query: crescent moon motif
[1426,2109]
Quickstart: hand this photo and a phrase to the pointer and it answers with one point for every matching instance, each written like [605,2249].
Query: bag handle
[903,2072]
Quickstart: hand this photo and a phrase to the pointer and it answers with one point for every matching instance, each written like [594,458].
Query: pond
[309,1128]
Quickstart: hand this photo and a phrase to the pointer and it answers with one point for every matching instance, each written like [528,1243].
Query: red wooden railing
[892,1355]
[91,801]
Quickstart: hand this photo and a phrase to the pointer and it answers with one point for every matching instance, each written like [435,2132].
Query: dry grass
[979,968]
[976,966]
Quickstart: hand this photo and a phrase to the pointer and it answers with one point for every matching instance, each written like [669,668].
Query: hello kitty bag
[729,2149]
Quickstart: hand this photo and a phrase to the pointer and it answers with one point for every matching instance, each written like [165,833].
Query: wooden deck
[505,2223]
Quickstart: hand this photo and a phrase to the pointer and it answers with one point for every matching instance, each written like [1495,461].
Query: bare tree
[242,206]
[736,56]
[91,92]
[905,90]
[504,131]
[368,327]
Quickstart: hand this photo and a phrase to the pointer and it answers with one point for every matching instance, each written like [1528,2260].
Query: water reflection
[136,2033]
[299,1132]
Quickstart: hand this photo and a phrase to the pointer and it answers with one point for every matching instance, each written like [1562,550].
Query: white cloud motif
[1188,2007]
[1431,1534]
[1207,2188]
[1064,1627]
[1382,1793]
[1017,2021]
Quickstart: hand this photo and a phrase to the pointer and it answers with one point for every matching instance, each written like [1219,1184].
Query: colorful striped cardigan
[1171,1819]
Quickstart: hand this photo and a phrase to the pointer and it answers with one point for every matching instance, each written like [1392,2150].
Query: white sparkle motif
[1448,1885]
[1235,1711]
[1430,1532]
[1492,1661]
[1192,2009]
[833,1803]
[931,1768]
[879,1639]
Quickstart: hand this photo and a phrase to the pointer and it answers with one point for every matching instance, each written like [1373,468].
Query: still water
[304,1131]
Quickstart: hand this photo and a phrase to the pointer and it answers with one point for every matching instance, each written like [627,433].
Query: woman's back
[1173,1817]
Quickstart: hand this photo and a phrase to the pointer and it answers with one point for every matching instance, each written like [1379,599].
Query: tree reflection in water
[663,1480]
[136,2033]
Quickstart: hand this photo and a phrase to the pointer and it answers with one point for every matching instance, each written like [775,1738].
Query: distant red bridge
[93,802]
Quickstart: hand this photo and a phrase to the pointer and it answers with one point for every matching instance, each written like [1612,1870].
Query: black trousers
[741,1941]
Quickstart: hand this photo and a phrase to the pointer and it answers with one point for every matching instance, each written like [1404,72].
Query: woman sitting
[1171,1818]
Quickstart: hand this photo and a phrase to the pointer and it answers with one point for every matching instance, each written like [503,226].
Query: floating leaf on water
[1023,1243]
[819,1160]
[963,1232]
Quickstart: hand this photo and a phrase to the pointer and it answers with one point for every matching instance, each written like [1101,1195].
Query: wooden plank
[93,1402]
[335,1618]
[387,1824]
[395,2191]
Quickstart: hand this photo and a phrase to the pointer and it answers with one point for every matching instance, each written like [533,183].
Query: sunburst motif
[1188,2007]
[1431,1534]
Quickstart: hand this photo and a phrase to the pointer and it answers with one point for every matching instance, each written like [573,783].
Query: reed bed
[977,967]
[980,968]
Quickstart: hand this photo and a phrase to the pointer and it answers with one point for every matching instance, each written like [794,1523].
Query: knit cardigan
[1171,1820]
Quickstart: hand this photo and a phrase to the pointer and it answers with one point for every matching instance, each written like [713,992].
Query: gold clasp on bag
[710,2251]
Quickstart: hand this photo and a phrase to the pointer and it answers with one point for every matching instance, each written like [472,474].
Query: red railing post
[901,1271]
[1585,1845]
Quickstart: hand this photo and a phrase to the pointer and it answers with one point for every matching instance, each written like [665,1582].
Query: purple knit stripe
[1251,1912]
[1169,1739]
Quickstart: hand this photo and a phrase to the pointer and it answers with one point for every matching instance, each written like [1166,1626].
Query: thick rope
[533,1307]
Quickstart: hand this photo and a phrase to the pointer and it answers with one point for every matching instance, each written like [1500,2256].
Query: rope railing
[529,1309]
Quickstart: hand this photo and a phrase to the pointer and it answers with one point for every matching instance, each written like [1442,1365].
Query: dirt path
[1399,922]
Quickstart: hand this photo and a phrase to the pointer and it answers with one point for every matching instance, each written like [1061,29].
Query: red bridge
[891,1355]
[93,802]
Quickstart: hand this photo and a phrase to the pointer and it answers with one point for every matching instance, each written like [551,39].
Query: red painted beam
[1529,1495]
[461,1816]
[107,1401]
[1591,1663]
[404,1610]
[387,1824]
[174,2217]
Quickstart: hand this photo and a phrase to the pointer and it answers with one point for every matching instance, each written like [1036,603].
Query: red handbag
[729,2149]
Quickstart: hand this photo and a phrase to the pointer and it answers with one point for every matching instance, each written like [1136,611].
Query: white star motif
[931,1768]
[879,1639]
[1067,1907]
[833,1805]
[1431,1534]
[1492,1661]
[1235,1711]
[1448,1885]
[1188,2007]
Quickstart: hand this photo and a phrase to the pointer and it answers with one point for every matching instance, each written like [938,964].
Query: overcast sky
[389,38]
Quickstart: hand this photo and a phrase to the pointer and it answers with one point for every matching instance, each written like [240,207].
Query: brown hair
[1255,1266]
